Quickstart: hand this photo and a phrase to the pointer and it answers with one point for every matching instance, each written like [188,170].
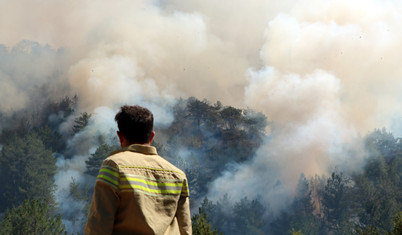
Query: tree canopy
[204,140]
[27,171]
[31,217]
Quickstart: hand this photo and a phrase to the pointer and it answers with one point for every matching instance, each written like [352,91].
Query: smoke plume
[330,74]
[324,72]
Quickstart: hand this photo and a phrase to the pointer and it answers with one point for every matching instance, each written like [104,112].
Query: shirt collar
[145,149]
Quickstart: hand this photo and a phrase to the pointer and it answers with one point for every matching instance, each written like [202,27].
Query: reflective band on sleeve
[184,190]
[153,186]
[109,175]
[112,172]
[154,169]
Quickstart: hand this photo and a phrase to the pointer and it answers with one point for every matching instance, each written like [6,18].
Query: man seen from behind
[137,191]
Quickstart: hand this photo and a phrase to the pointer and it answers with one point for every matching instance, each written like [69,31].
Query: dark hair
[135,123]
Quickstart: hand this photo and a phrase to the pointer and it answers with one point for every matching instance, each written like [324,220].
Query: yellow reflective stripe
[115,182]
[151,179]
[114,173]
[149,194]
[110,167]
[153,183]
[108,183]
[157,191]
[150,168]
[184,192]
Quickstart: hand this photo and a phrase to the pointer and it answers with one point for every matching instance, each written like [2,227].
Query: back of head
[135,123]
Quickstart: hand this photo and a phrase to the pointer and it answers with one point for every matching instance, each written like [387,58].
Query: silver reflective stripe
[109,175]
[153,186]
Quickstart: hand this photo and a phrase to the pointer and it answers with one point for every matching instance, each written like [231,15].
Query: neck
[128,144]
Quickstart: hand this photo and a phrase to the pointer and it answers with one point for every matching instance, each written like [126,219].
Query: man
[137,191]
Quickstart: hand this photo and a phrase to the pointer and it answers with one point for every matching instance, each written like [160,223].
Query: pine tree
[94,162]
[27,171]
[335,202]
[248,217]
[31,217]
[303,207]
[201,225]
[294,232]
[397,224]
[81,122]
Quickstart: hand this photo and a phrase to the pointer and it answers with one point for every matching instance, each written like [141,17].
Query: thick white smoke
[69,171]
[309,135]
[330,74]
[323,71]
[178,45]
[29,71]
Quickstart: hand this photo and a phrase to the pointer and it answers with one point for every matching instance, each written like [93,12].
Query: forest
[204,139]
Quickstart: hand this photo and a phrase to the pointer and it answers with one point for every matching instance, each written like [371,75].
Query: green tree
[303,201]
[197,110]
[54,113]
[50,138]
[379,189]
[370,230]
[31,217]
[82,193]
[255,123]
[81,122]
[232,117]
[335,201]
[281,224]
[27,170]
[294,232]
[213,119]
[94,162]
[303,218]
[63,106]
[382,142]
[397,224]
[201,225]
[215,214]
[191,167]
[248,217]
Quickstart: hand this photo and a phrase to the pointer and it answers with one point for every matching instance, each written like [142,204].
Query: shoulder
[125,159]
[168,167]
[115,157]
[113,161]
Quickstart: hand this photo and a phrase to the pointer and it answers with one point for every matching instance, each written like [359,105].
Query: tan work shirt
[139,192]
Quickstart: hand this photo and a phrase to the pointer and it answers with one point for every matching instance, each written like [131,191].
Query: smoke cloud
[69,171]
[330,74]
[28,72]
[324,72]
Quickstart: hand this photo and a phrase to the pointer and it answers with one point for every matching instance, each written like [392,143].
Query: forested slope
[204,140]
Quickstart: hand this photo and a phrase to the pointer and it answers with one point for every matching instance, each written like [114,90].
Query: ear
[152,137]
[121,139]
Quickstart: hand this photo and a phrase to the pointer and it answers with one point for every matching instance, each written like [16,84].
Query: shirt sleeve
[105,200]
[183,211]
